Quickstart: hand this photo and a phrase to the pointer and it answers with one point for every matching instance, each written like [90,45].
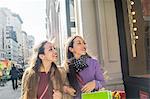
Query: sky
[32,13]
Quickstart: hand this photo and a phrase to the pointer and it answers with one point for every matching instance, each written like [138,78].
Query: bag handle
[44,92]
[79,79]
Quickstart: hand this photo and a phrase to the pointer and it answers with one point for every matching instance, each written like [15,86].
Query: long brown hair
[36,63]
[69,56]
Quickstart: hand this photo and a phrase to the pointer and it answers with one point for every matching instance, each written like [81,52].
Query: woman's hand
[69,90]
[89,86]
[57,94]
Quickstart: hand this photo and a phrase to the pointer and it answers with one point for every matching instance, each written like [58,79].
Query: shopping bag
[97,95]
[119,95]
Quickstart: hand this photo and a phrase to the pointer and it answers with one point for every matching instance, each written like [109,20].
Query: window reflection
[146,17]
[138,44]
[146,7]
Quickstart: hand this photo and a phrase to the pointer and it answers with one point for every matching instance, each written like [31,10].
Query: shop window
[139,46]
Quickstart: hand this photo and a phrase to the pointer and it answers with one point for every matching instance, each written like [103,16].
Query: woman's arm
[69,90]
[57,94]
[99,78]
[24,85]
[66,87]
[98,81]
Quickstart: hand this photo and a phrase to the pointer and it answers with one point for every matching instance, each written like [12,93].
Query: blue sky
[32,12]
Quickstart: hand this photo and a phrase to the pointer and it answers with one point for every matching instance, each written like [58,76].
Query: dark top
[14,73]
[42,86]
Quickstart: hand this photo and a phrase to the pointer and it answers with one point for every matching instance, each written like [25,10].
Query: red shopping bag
[119,95]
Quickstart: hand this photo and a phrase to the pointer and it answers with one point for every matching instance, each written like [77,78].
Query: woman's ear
[71,49]
[41,56]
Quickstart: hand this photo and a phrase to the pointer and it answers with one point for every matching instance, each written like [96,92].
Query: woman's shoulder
[29,70]
[63,73]
[92,60]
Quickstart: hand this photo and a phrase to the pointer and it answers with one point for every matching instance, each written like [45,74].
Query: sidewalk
[7,92]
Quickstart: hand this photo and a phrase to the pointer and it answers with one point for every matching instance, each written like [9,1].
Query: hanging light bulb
[134,20]
[133,13]
[136,37]
[135,29]
[132,3]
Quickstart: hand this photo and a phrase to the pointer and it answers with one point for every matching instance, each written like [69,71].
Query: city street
[7,92]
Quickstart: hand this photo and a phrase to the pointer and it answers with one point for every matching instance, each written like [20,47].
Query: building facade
[81,19]
[2,34]
[57,23]
[96,19]
[13,28]
[25,50]
[134,29]
[13,39]
[17,22]
[30,44]
[117,33]
[11,44]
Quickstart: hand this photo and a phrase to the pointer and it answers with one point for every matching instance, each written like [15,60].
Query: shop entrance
[133,19]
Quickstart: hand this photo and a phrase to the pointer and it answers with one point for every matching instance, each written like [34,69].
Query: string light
[134,20]
[133,13]
[136,37]
[132,3]
[135,29]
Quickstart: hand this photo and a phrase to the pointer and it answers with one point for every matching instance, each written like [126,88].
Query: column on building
[56,24]
[24,47]
[30,44]
[13,28]
[2,35]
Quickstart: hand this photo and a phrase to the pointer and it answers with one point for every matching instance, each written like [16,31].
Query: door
[137,31]
[133,19]
[137,36]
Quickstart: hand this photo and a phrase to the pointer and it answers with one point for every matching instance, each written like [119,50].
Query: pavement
[7,92]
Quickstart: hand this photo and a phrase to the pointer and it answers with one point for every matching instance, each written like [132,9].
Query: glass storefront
[146,18]
[133,20]
[138,43]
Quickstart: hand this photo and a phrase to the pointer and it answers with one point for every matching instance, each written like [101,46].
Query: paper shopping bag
[97,95]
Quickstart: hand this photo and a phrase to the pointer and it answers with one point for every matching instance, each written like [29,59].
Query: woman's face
[50,52]
[79,47]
